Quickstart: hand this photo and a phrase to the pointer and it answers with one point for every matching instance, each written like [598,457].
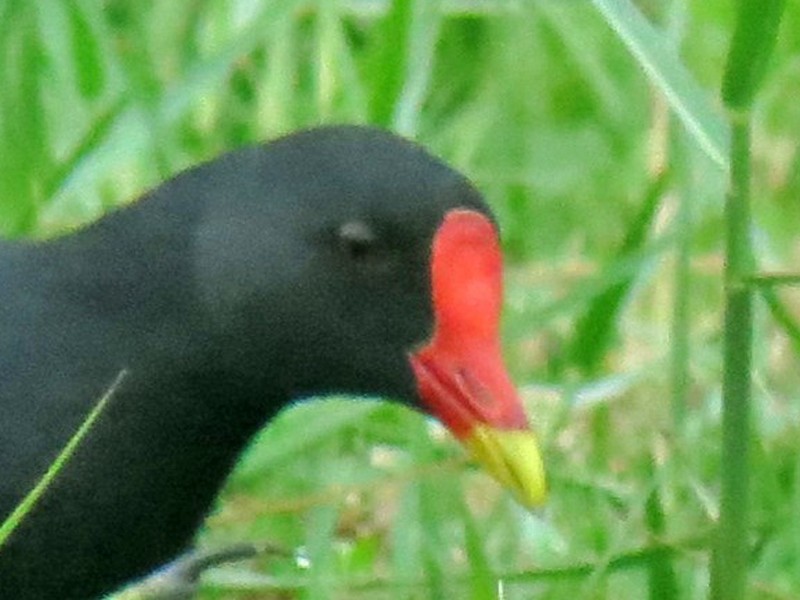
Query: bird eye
[357,239]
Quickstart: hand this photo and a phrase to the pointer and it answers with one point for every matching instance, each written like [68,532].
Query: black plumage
[296,268]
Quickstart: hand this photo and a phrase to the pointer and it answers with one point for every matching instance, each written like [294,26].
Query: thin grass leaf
[24,141]
[592,392]
[680,354]
[783,317]
[662,579]
[86,53]
[597,329]
[91,142]
[321,535]
[764,280]
[614,274]
[656,55]
[328,51]
[482,583]
[586,52]
[18,515]
[434,548]
[406,535]
[634,558]
[276,83]
[423,35]
[387,68]
[754,38]
[435,577]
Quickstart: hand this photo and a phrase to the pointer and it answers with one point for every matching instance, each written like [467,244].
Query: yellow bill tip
[512,457]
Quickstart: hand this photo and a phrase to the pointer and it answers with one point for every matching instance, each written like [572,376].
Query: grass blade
[24,140]
[753,41]
[662,580]
[730,556]
[388,67]
[482,584]
[597,328]
[729,561]
[680,355]
[423,36]
[783,317]
[656,56]
[87,54]
[30,500]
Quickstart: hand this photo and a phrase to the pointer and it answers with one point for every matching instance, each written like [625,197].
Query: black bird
[339,259]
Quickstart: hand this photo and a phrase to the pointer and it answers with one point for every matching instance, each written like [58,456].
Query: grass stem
[729,563]
[753,41]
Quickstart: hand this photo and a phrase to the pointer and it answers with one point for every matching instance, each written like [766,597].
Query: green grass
[12,521]
[597,131]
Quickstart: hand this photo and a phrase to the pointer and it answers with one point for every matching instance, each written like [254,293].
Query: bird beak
[460,374]
[485,414]
[513,458]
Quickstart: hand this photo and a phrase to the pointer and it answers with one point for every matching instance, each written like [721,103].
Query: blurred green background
[596,132]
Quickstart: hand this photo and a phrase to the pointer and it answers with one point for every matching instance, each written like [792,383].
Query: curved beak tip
[513,458]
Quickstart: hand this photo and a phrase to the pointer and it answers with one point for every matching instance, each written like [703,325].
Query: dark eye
[357,239]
